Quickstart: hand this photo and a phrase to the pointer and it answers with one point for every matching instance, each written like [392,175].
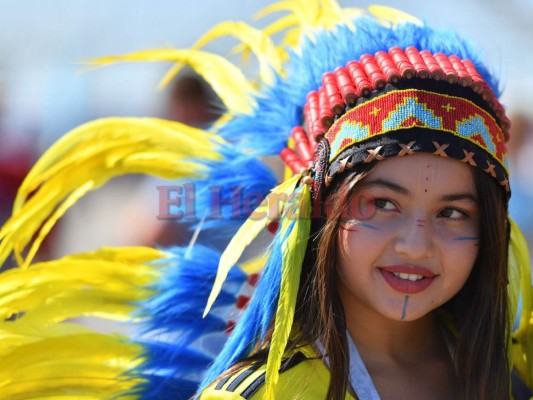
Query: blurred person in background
[16,157]
[190,101]
[18,152]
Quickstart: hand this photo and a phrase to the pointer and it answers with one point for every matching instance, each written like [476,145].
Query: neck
[385,341]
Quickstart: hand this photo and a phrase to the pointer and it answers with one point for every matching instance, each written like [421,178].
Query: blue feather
[179,344]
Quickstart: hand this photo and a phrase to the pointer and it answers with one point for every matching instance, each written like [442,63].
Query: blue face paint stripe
[369,226]
[404,306]
[354,223]
[466,238]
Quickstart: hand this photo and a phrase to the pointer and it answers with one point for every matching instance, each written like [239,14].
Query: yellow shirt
[302,376]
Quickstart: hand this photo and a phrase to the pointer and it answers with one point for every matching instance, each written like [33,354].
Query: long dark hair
[480,309]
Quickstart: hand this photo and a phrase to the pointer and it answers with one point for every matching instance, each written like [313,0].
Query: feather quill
[296,226]
[259,219]
[284,23]
[256,264]
[254,39]
[307,16]
[225,78]
[305,11]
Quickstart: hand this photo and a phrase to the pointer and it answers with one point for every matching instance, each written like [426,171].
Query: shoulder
[302,375]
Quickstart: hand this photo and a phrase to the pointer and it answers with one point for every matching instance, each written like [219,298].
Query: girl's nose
[415,240]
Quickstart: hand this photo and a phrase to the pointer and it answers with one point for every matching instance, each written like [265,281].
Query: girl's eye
[385,205]
[453,214]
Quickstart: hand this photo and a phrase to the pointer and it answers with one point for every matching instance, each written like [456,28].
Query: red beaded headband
[345,85]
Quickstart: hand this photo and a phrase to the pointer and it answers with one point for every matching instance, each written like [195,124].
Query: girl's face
[410,237]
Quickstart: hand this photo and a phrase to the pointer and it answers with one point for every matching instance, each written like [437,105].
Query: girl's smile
[407,279]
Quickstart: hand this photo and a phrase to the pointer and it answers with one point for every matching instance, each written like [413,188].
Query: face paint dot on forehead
[426,176]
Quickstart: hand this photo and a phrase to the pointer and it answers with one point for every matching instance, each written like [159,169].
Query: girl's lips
[407,286]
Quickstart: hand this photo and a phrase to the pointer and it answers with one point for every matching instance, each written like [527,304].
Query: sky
[45,91]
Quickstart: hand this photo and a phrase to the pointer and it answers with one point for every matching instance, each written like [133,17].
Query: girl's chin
[407,312]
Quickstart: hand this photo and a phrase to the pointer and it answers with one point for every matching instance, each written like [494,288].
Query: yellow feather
[120,254]
[520,291]
[291,38]
[293,251]
[89,156]
[257,221]
[520,278]
[109,134]
[330,7]
[389,16]
[305,11]
[306,16]
[281,24]
[13,334]
[330,14]
[169,75]
[97,303]
[225,78]
[221,121]
[67,283]
[57,214]
[79,364]
[259,43]
[51,358]
[162,165]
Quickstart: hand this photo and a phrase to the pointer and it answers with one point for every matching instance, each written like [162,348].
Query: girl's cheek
[464,237]
[465,241]
[373,227]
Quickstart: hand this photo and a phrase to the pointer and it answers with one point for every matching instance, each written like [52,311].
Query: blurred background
[44,93]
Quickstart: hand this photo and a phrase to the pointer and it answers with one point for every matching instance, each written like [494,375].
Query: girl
[394,271]
[395,263]
[403,287]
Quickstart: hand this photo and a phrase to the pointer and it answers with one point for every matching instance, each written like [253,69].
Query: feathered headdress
[309,90]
